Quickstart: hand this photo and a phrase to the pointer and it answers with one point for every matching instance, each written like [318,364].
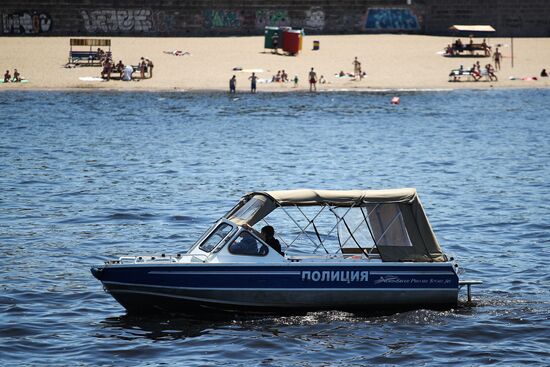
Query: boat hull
[186,288]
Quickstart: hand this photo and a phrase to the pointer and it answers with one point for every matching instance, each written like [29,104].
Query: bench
[456,75]
[88,57]
[471,48]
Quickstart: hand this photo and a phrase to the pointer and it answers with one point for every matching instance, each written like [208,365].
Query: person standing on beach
[149,66]
[142,68]
[233,85]
[275,42]
[312,80]
[497,56]
[356,68]
[253,78]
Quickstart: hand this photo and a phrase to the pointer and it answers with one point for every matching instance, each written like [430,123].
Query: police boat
[296,251]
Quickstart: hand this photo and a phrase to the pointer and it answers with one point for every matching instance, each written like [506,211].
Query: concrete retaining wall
[249,17]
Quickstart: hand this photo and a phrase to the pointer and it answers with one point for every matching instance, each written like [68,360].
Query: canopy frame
[399,211]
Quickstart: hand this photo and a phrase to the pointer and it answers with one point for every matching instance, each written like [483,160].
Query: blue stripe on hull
[287,277]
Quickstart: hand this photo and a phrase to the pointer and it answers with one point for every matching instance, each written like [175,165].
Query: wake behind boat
[371,250]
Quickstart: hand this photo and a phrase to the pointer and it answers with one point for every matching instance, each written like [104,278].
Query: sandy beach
[390,61]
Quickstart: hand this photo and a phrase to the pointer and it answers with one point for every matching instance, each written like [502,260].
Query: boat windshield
[216,237]
[248,210]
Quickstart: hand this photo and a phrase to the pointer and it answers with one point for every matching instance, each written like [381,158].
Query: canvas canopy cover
[472,28]
[92,42]
[395,218]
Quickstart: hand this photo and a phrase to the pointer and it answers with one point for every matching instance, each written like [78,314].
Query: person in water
[233,84]
[253,78]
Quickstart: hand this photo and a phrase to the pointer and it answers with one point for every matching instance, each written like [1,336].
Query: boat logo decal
[392,279]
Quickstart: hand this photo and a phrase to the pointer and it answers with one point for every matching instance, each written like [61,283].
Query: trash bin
[316,45]
[291,43]
[268,36]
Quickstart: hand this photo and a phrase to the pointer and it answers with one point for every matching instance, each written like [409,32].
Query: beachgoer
[356,67]
[295,81]
[119,67]
[16,76]
[312,80]
[149,66]
[275,42]
[322,80]
[491,72]
[497,56]
[475,73]
[268,235]
[277,77]
[543,73]
[7,77]
[100,54]
[107,69]
[127,73]
[341,73]
[232,84]
[253,78]
[458,45]
[486,48]
[142,66]
[284,76]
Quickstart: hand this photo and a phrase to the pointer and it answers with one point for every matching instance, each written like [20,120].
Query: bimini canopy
[472,28]
[383,210]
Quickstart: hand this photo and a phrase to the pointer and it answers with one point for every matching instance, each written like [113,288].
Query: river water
[87,176]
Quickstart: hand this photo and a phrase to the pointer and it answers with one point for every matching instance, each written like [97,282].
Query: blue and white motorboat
[350,250]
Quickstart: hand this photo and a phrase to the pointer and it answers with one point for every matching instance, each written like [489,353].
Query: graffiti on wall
[221,18]
[270,17]
[26,23]
[315,19]
[391,19]
[163,22]
[130,20]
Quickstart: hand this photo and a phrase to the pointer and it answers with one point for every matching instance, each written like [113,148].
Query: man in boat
[268,235]
[245,244]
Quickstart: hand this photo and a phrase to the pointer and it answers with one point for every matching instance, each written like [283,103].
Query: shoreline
[392,63]
[299,92]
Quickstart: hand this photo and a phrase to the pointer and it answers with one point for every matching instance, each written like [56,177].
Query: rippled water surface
[89,176]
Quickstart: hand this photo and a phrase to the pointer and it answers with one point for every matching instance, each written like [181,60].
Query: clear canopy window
[219,234]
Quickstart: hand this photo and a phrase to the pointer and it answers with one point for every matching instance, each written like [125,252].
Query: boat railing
[163,258]
[329,257]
